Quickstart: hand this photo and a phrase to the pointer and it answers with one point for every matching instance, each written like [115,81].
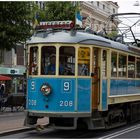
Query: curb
[14,131]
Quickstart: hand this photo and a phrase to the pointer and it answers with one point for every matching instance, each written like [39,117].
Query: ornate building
[96,13]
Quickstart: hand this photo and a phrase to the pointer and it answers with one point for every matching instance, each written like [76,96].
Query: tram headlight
[46,89]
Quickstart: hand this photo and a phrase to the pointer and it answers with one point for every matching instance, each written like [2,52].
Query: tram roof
[79,37]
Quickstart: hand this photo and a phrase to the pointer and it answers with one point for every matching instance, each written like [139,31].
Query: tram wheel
[115,118]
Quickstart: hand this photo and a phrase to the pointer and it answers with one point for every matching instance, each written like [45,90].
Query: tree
[15,23]
[56,11]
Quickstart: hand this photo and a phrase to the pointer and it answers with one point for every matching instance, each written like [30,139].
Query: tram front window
[48,60]
[84,61]
[33,63]
[67,61]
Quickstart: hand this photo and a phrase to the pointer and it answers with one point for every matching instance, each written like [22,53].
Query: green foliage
[58,10]
[15,24]
[112,34]
[17,18]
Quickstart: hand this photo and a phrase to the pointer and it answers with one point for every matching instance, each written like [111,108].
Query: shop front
[18,82]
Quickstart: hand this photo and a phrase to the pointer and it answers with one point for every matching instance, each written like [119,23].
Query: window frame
[52,45]
[67,46]
[90,61]
[30,61]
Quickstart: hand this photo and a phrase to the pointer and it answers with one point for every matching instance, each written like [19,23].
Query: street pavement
[13,121]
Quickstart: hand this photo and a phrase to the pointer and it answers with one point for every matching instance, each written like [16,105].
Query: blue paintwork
[104,95]
[62,99]
[124,87]
[55,99]
[84,95]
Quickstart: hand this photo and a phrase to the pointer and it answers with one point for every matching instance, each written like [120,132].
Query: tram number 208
[66,103]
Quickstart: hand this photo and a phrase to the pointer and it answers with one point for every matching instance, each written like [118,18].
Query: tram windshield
[49,63]
[48,60]
[52,60]
[33,61]
[83,61]
[67,61]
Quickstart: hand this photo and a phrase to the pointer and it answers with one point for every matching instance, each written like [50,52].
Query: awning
[4,78]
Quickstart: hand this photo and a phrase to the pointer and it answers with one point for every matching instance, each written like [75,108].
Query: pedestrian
[2,90]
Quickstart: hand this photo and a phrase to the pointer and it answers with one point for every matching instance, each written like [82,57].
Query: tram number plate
[32,102]
[67,86]
[66,103]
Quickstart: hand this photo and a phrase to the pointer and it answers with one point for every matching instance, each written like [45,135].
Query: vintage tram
[78,79]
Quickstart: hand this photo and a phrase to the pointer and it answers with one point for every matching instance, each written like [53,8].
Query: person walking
[2,90]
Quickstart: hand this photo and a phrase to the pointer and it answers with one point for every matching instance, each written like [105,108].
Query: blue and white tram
[80,79]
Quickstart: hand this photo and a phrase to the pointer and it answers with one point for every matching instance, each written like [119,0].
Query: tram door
[95,79]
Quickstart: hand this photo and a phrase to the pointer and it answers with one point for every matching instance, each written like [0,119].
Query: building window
[114,11]
[98,4]
[103,7]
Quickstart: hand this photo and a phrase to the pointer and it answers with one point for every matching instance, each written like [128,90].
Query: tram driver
[51,68]
[63,68]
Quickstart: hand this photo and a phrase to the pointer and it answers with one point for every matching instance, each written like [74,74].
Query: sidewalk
[13,121]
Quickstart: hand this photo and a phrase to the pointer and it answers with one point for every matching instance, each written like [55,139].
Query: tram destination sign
[56,24]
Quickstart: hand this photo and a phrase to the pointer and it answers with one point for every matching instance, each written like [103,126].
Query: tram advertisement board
[83,55]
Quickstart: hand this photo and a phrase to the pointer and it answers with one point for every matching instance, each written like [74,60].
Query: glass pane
[104,64]
[67,61]
[138,69]
[131,67]
[114,64]
[33,64]
[84,61]
[122,66]
[131,70]
[48,60]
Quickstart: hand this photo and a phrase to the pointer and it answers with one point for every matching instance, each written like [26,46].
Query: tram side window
[84,61]
[131,67]
[33,64]
[67,60]
[122,65]
[104,64]
[138,68]
[114,64]
[48,60]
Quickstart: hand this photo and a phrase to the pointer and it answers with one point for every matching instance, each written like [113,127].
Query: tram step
[98,123]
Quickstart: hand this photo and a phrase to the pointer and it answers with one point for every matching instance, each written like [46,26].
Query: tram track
[53,133]
[121,132]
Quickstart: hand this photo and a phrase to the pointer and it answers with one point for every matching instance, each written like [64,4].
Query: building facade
[12,64]
[95,14]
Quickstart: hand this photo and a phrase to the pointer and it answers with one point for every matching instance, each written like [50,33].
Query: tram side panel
[124,88]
